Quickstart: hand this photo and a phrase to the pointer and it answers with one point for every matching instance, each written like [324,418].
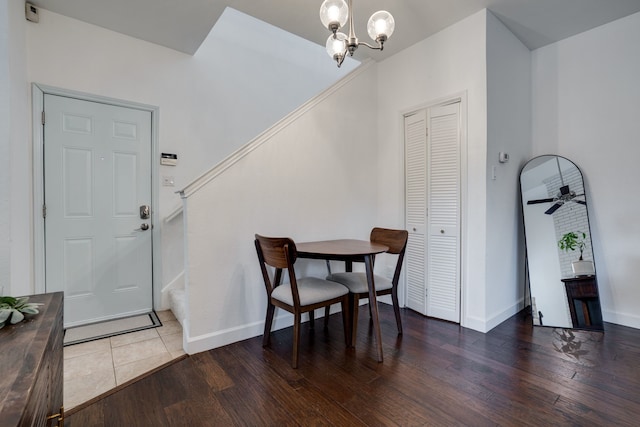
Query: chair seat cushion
[312,290]
[357,281]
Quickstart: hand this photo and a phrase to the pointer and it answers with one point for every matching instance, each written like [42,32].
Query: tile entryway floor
[95,367]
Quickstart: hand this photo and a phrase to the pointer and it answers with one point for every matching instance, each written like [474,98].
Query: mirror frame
[580,292]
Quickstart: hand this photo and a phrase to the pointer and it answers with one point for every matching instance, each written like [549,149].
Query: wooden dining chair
[396,240]
[300,295]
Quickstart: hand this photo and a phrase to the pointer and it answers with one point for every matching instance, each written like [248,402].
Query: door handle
[143,227]
[145,212]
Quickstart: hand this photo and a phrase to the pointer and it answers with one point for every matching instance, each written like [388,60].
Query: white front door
[97,175]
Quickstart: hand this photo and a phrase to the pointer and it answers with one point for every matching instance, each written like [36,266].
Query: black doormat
[110,328]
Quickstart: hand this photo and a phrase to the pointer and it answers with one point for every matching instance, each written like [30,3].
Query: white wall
[210,103]
[508,130]
[15,154]
[447,64]
[313,180]
[5,152]
[586,105]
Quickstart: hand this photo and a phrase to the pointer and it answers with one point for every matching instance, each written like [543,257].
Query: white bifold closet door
[432,147]
[415,136]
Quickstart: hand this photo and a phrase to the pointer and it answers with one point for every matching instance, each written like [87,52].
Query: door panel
[77,167]
[416,209]
[97,172]
[443,270]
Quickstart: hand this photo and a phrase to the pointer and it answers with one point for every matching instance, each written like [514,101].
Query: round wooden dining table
[350,251]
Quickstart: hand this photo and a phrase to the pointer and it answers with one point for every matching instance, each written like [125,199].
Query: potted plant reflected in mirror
[577,240]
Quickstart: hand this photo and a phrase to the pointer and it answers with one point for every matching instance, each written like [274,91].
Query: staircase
[178,304]
[223,300]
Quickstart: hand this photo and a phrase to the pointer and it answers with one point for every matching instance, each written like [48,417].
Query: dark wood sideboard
[31,363]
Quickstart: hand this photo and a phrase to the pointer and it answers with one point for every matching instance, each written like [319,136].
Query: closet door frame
[460,97]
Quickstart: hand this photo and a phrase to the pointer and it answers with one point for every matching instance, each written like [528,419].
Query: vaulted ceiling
[183,24]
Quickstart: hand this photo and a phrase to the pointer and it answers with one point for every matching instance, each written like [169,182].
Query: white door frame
[464,274]
[37,104]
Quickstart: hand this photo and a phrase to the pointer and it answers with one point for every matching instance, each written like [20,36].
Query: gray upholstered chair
[300,295]
[396,240]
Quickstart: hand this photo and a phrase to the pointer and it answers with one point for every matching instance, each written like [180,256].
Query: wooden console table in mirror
[584,304]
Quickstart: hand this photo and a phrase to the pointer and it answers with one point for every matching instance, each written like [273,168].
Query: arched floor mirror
[562,274]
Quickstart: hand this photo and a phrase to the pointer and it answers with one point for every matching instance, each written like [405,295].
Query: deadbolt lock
[145,212]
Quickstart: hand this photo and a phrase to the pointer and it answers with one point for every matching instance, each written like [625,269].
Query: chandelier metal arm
[379,47]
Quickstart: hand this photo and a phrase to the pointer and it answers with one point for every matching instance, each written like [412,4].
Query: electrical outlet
[168,181]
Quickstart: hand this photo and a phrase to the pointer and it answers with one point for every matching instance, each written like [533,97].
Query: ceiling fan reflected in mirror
[564,195]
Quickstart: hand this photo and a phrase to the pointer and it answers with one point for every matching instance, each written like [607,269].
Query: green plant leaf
[8,300]
[30,310]
[21,302]
[16,317]
[569,241]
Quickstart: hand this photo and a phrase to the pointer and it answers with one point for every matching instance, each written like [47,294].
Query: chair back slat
[396,240]
[280,253]
[274,250]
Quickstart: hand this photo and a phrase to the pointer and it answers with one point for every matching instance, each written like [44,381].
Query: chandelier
[334,14]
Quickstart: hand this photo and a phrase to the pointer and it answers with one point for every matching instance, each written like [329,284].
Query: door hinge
[44,211]
[43,117]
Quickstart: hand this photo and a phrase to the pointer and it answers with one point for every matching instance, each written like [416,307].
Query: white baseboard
[498,318]
[475,323]
[485,325]
[624,319]
[224,337]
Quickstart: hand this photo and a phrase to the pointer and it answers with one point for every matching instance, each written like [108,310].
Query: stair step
[178,304]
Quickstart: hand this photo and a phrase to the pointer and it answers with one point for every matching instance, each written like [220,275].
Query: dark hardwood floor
[436,374]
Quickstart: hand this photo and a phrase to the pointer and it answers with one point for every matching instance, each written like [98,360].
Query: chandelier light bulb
[381,26]
[337,46]
[334,14]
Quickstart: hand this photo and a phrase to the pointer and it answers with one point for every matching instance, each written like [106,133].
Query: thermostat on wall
[168,159]
[31,12]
